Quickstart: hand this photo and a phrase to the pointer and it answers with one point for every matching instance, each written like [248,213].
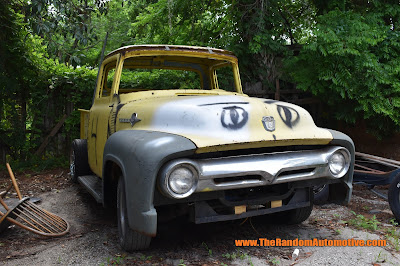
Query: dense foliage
[50,50]
[35,90]
[353,63]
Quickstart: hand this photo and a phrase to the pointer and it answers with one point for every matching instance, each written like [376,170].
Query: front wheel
[129,239]
[394,197]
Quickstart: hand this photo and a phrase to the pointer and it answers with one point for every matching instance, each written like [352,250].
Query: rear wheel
[297,216]
[321,194]
[294,216]
[128,239]
[79,164]
[394,197]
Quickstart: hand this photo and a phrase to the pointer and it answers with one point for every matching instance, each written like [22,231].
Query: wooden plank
[288,91]
[378,159]
[240,209]
[276,203]
[54,131]
[278,88]
[305,101]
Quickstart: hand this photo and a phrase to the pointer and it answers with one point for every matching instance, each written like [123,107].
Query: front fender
[140,154]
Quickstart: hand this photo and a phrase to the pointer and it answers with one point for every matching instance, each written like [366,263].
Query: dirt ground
[92,239]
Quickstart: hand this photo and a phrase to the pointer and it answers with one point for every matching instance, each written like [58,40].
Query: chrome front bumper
[261,169]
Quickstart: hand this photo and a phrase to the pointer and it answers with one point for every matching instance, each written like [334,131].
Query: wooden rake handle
[14,181]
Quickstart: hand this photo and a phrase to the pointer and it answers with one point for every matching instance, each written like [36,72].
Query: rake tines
[31,217]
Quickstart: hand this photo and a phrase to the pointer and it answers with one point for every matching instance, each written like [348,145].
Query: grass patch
[275,261]
[362,222]
[209,250]
[393,235]
[238,254]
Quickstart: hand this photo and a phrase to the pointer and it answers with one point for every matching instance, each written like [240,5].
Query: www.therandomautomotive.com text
[263,242]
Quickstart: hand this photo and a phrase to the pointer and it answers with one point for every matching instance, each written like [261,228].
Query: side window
[108,79]
[225,77]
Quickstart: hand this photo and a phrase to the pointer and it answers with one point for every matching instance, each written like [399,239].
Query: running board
[94,185]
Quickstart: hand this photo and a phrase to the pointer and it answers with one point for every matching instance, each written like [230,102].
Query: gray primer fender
[140,154]
[343,193]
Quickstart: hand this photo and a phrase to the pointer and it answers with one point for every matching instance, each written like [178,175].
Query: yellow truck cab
[170,126]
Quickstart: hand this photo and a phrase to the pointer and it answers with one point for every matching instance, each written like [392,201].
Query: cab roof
[162,48]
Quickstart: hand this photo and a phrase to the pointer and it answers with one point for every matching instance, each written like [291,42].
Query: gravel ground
[92,237]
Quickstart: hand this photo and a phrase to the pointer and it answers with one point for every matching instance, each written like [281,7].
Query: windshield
[173,72]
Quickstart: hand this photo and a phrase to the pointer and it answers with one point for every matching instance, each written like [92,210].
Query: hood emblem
[268,123]
[133,120]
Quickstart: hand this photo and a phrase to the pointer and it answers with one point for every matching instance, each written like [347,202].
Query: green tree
[352,62]
[50,48]
[65,26]
[17,74]
[257,31]
[35,90]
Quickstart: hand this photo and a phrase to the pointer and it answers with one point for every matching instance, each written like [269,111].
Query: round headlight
[339,163]
[181,180]
[178,178]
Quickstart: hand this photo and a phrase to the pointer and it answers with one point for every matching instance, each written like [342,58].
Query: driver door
[100,114]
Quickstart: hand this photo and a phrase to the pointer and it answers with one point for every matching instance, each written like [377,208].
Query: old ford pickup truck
[171,132]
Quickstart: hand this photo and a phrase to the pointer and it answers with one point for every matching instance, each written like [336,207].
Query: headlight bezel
[347,160]
[165,176]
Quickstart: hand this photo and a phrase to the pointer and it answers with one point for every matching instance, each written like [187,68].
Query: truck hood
[218,122]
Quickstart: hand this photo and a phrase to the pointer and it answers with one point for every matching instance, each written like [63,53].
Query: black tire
[298,216]
[129,239]
[79,163]
[394,197]
[321,194]
[294,216]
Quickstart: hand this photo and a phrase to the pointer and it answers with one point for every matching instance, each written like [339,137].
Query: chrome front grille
[261,169]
